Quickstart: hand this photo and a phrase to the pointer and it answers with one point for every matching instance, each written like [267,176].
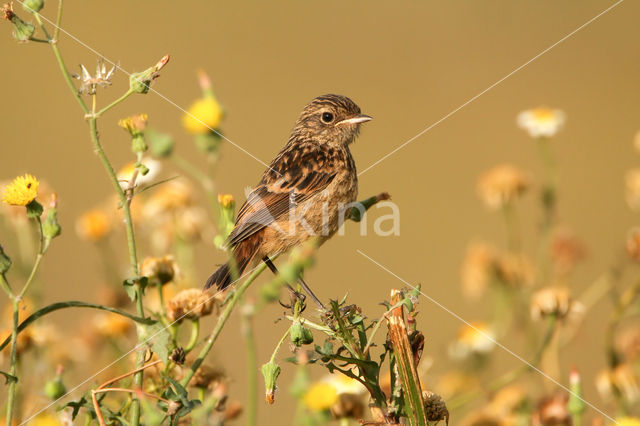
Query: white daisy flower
[541,122]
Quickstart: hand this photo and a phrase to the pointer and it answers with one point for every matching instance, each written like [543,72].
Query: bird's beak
[362,118]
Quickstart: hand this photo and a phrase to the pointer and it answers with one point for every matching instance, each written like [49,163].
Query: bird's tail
[243,254]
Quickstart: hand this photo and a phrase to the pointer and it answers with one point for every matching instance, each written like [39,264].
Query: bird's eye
[327,117]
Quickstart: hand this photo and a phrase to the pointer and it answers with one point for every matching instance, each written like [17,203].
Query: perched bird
[305,191]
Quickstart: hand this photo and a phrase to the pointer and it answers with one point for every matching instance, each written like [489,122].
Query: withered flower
[477,269]
[550,301]
[566,251]
[90,83]
[207,377]
[502,185]
[435,407]
[349,406]
[191,303]
[159,270]
[552,411]
[515,269]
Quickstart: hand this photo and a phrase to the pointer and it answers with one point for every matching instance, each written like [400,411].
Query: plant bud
[140,82]
[161,144]
[33,6]
[270,371]
[300,335]
[50,227]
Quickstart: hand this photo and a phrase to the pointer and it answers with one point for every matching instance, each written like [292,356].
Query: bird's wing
[294,176]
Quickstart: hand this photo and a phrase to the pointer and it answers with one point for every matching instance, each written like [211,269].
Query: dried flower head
[320,396]
[7,11]
[477,269]
[203,116]
[435,407]
[627,342]
[22,191]
[566,251]
[502,185]
[632,189]
[623,379]
[550,301]
[476,338]
[191,303]
[348,406]
[515,269]
[207,377]
[90,83]
[94,225]
[159,270]
[541,122]
[553,411]
[191,223]
[168,197]
[633,244]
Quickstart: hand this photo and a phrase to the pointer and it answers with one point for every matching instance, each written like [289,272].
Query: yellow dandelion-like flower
[46,419]
[344,384]
[134,124]
[321,396]
[627,421]
[21,191]
[93,225]
[225,200]
[541,122]
[203,115]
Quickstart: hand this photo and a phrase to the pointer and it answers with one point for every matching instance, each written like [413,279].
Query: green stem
[56,30]
[73,304]
[279,345]
[125,201]
[252,367]
[237,295]
[6,287]
[61,65]
[14,343]
[114,103]
[195,330]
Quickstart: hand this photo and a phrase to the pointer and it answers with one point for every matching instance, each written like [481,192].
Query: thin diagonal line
[138,346]
[486,336]
[422,132]
[117,66]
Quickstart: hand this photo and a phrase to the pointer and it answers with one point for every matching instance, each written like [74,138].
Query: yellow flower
[501,185]
[134,124]
[627,421]
[112,325]
[541,122]
[225,200]
[93,225]
[321,396]
[205,114]
[46,419]
[474,338]
[21,191]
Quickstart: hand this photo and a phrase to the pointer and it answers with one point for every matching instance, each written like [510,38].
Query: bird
[303,194]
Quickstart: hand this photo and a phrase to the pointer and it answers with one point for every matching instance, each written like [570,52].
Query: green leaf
[159,337]
[130,286]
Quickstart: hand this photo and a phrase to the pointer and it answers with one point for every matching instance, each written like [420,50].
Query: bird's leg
[303,284]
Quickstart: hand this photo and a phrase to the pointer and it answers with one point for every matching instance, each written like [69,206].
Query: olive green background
[406,63]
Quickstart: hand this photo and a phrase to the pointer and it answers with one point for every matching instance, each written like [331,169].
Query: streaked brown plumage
[302,192]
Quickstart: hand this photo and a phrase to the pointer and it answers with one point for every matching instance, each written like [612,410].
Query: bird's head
[331,119]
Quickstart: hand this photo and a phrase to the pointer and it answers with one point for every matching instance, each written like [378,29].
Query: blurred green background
[406,63]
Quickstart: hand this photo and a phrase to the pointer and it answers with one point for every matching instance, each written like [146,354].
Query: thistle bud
[23,31]
[50,227]
[300,335]
[5,261]
[54,388]
[33,6]
[140,82]
[576,404]
[270,371]
[226,222]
